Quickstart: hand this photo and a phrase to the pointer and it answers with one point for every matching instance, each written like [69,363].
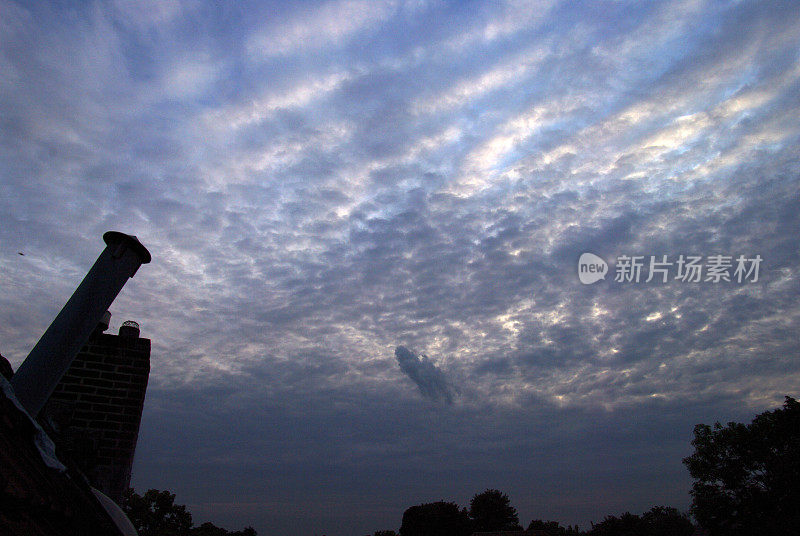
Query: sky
[366,218]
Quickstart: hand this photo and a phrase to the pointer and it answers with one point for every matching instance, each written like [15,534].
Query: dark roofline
[44,492]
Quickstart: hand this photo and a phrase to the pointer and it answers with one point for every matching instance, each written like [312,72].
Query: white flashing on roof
[116,513]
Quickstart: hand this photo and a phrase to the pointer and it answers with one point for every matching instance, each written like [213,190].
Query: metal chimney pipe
[38,376]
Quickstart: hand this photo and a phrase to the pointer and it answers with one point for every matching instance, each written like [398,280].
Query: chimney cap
[115,237]
[129,328]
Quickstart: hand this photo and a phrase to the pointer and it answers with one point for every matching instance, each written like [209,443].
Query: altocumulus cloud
[430,380]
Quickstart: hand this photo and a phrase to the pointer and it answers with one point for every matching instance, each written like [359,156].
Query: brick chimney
[96,409]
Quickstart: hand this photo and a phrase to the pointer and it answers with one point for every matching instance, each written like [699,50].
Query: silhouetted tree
[492,510]
[625,525]
[435,519]
[553,528]
[209,529]
[746,476]
[156,514]
[658,521]
[666,521]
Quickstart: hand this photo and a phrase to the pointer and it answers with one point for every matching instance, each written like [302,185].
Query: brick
[86,373]
[72,389]
[97,382]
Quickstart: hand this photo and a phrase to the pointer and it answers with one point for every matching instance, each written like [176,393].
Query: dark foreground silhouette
[745,483]
[156,514]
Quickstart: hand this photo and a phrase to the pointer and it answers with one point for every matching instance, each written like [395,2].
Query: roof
[42,493]
[534,532]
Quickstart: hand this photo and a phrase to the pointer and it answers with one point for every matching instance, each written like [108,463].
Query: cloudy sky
[365,220]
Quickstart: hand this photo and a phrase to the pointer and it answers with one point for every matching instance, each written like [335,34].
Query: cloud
[329,24]
[430,380]
[427,175]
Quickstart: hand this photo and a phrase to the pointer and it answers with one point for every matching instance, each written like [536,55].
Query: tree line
[491,511]
[156,514]
[745,482]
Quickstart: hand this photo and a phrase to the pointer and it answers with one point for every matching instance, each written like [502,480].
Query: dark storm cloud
[318,182]
[431,381]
